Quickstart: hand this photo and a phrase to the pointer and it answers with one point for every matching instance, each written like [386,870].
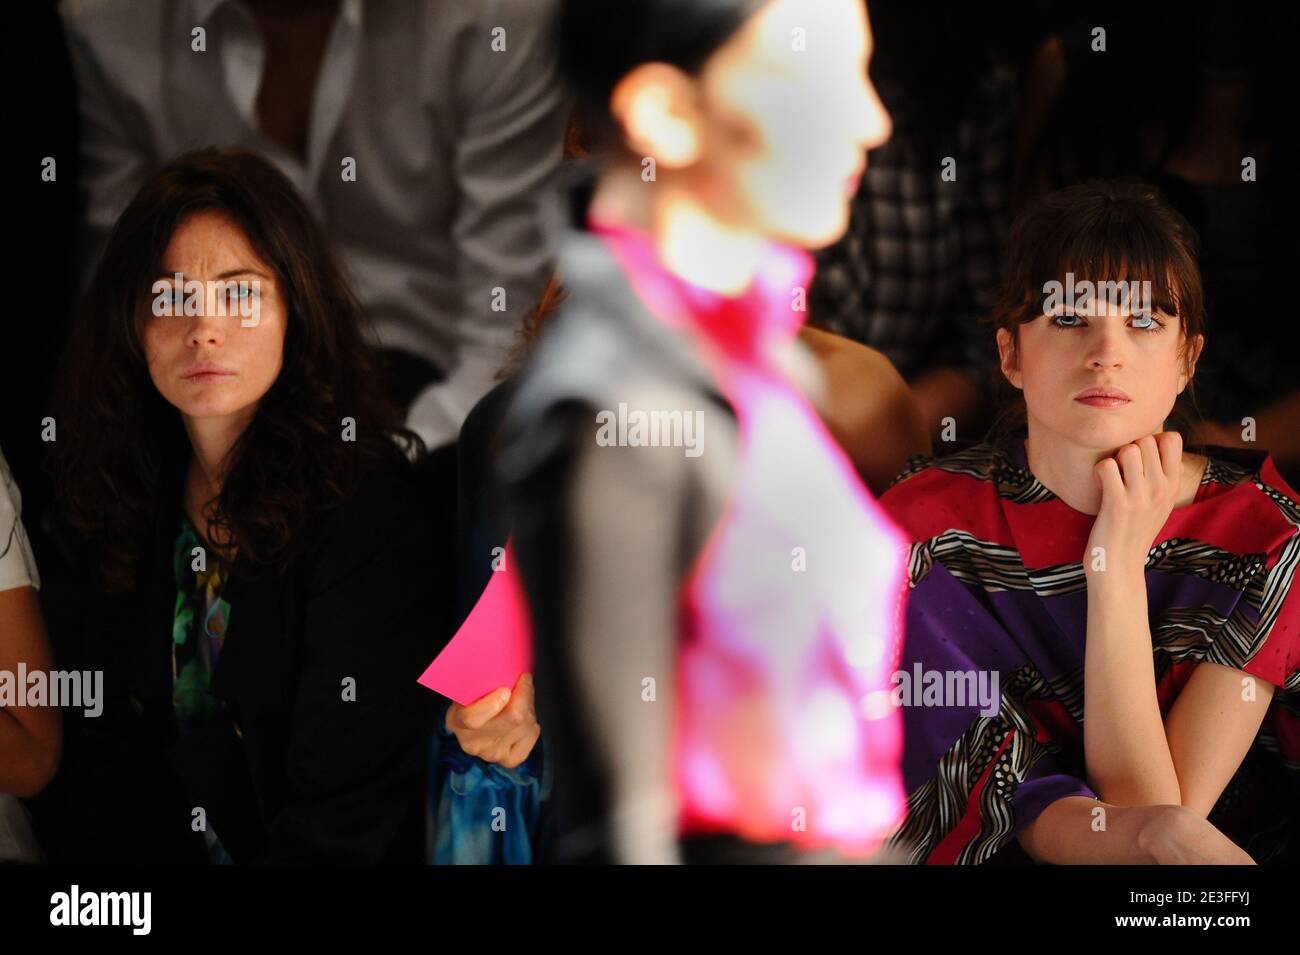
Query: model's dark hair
[120,443]
[1117,230]
[600,41]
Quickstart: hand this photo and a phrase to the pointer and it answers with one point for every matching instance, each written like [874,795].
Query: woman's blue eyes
[232,291]
[232,294]
[1149,323]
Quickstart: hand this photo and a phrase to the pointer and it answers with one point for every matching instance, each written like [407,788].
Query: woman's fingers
[522,747]
[501,727]
[1112,484]
[1130,463]
[515,748]
[1153,459]
[479,713]
[1139,486]
[508,749]
[1170,444]
[1152,469]
[521,700]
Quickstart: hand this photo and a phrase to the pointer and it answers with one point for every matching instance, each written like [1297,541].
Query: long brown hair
[1117,230]
[120,443]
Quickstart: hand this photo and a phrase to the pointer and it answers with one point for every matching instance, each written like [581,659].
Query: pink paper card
[492,648]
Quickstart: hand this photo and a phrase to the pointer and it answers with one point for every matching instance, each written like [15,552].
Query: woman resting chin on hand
[1135,602]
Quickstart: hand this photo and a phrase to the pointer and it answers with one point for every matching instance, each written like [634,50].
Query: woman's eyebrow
[229,273]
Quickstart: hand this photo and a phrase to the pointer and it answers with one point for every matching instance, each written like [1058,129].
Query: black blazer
[294,772]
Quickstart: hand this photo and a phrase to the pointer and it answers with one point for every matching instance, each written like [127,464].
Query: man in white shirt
[425,135]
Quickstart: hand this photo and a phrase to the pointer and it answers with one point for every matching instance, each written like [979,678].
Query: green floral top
[196,649]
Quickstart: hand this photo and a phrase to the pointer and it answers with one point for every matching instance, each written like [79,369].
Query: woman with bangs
[1133,605]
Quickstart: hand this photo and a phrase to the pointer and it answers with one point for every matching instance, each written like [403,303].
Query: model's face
[1063,355]
[214,365]
[789,113]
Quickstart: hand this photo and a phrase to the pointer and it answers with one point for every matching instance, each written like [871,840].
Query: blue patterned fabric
[484,814]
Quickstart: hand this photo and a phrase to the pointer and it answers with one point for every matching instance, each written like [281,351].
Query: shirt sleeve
[1044,783]
[1276,639]
[624,605]
[617,595]
[115,158]
[506,162]
[17,565]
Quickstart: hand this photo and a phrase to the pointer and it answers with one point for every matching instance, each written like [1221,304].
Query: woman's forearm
[27,762]
[30,736]
[1126,751]
[1077,830]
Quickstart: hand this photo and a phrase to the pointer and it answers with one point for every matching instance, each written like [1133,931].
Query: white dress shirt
[456,148]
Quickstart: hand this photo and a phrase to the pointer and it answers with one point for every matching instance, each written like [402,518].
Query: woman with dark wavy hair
[246,545]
